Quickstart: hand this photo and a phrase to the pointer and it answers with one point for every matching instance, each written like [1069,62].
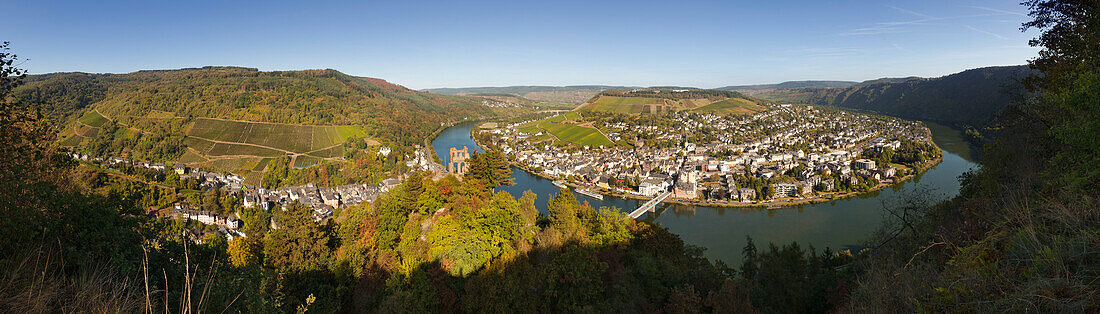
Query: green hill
[659,100]
[236,119]
[168,101]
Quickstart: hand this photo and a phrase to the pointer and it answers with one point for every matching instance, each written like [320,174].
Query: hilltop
[658,100]
[569,94]
[970,97]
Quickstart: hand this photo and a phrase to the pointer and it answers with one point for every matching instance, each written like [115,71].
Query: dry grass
[35,284]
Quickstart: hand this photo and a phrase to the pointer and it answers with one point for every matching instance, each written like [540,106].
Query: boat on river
[560,184]
[589,194]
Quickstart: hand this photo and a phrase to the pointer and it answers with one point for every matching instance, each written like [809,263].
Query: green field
[294,138]
[577,134]
[93,118]
[732,105]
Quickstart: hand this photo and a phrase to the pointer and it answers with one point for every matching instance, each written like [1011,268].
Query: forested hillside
[968,98]
[312,97]
[241,120]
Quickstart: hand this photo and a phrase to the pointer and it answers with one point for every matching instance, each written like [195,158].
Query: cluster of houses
[323,200]
[809,147]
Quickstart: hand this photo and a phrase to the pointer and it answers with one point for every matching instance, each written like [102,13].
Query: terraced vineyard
[246,148]
[291,138]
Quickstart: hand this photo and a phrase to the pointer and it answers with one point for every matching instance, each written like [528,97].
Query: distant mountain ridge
[790,84]
[571,94]
[968,98]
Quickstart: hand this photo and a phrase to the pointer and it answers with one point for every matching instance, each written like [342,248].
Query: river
[721,231]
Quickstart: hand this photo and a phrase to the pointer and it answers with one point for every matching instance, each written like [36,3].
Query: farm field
[580,135]
[303,161]
[93,118]
[577,134]
[621,104]
[293,138]
[223,149]
[331,152]
[234,165]
[732,105]
[190,157]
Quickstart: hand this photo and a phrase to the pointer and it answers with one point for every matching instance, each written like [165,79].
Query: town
[787,153]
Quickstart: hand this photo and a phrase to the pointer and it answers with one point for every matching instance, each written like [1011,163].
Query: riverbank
[782,202]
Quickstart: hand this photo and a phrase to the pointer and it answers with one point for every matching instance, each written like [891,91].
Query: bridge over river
[649,205]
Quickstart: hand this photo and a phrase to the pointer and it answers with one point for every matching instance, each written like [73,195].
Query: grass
[732,105]
[93,118]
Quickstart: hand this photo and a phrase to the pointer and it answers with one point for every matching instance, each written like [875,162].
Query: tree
[430,200]
[1070,31]
[298,243]
[748,256]
[491,167]
[563,212]
[29,165]
[1070,62]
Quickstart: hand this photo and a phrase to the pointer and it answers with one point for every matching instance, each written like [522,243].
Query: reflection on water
[836,224]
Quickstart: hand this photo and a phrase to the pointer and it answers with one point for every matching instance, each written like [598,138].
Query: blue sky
[424,44]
